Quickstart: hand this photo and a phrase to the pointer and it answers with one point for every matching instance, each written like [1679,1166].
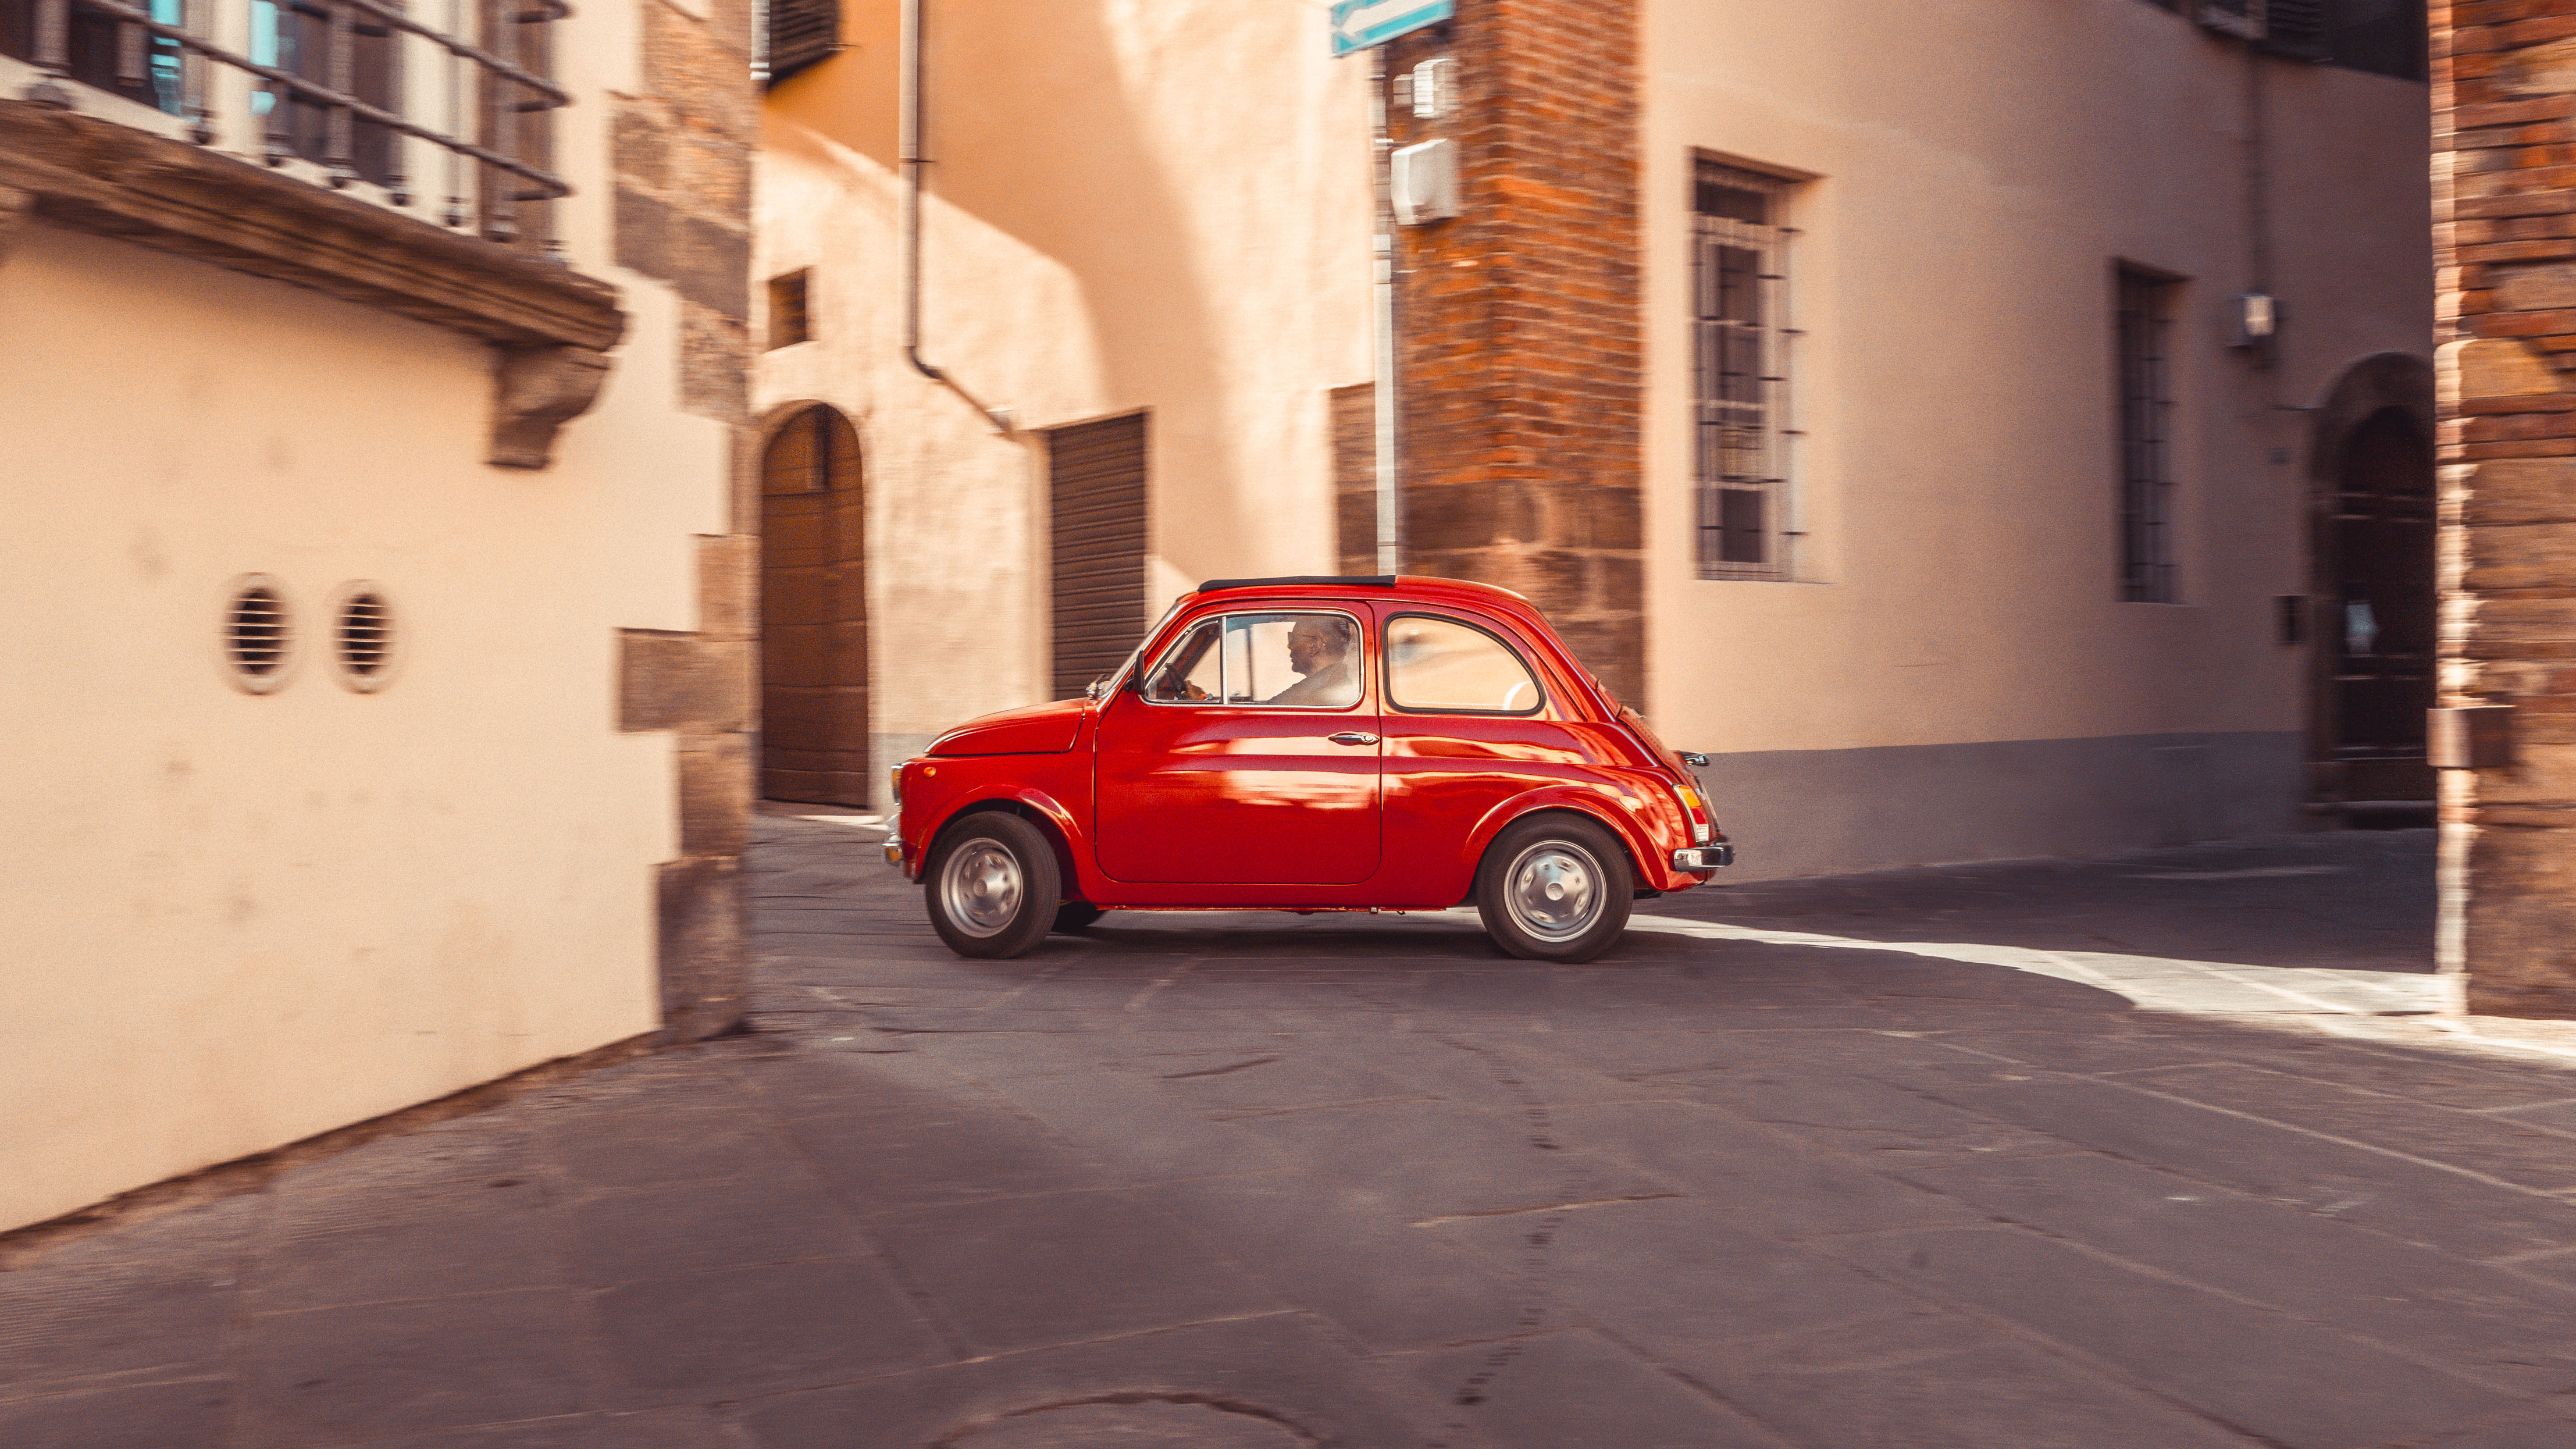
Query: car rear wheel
[992,885]
[1554,888]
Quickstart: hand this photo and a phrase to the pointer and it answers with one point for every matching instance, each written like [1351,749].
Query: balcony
[351,146]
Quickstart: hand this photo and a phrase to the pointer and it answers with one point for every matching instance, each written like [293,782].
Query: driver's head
[1318,640]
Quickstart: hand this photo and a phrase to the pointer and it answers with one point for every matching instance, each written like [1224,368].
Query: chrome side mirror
[1096,688]
[1692,758]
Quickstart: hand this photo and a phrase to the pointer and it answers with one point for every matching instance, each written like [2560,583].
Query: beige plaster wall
[234,920]
[1158,206]
[1978,171]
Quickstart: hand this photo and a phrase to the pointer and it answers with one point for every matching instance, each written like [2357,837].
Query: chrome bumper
[1704,857]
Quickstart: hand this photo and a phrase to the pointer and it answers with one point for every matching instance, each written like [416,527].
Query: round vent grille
[364,627]
[259,634]
[362,636]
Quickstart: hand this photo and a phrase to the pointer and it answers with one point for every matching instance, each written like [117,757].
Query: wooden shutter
[801,32]
[2295,28]
[1354,424]
[1096,488]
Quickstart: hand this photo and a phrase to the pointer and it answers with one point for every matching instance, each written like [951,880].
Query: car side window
[1294,661]
[1441,665]
[1191,670]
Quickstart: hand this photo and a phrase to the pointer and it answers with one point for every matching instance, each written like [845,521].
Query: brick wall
[1521,362]
[2504,98]
[682,152]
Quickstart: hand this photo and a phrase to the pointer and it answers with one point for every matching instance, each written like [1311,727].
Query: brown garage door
[1096,488]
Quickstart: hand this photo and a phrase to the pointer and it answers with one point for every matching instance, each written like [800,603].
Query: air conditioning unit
[1422,181]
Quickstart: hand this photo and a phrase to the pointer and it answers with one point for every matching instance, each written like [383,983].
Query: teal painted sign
[1360,24]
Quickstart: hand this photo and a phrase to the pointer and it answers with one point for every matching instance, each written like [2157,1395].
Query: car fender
[1021,799]
[1599,801]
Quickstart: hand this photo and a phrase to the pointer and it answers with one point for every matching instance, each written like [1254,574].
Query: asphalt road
[2161,1152]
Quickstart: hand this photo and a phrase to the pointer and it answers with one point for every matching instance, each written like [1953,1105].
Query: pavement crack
[1551,1207]
[1133,1397]
[1318,1107]
[1220,1071]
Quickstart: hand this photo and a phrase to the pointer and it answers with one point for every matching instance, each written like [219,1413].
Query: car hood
[1039,729]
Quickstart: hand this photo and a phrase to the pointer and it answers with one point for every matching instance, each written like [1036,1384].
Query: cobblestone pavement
[2154,1152]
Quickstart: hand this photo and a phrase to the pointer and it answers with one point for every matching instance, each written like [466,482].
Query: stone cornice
[98,176]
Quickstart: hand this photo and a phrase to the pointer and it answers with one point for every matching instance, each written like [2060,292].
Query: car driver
[1319,647]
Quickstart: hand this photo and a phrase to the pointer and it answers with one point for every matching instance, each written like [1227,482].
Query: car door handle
[1353,737]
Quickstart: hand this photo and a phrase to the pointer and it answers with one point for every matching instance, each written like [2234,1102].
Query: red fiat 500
[1312,744]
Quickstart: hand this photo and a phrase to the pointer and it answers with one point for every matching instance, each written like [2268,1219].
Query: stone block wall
[1521,363]
[2504,172]
[682,153]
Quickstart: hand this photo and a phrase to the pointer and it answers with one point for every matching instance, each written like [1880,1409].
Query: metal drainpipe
[908,149]
[1390,508]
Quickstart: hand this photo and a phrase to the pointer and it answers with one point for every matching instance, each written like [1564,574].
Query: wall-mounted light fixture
[2258,319]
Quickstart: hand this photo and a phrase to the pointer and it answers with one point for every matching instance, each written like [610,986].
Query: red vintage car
[1312,744]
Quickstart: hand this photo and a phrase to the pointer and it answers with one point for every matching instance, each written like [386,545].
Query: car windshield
[1108,683]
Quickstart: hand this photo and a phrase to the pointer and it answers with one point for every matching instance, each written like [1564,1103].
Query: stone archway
[813,611]
[2370,463]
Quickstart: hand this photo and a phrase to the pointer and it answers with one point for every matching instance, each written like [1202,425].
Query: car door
[1237,759]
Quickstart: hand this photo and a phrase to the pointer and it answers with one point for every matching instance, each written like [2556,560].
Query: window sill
[551,324]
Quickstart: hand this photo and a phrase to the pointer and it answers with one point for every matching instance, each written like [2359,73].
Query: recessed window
[2145,310]
[1740,372]
[789,321]
[362,636]
[258,634]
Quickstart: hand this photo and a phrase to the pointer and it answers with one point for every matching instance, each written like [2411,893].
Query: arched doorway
[813,613]
[2375,611]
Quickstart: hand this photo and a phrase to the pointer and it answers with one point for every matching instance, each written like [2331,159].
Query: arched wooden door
[2376,622]
[813,613]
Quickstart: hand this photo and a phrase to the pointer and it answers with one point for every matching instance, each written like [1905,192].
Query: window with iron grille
[2146,454]
[325,89]
[1740,373]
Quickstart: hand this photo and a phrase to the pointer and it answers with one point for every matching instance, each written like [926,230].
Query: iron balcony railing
[365,90]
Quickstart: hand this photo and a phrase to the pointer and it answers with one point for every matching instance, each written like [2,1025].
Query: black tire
[1581,862]
[1075,916]
[1007,890]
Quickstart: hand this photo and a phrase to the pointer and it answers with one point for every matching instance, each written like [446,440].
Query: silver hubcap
[1554,891]
[980,887]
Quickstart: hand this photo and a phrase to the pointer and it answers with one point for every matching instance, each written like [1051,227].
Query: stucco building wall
[238,920]
[1160,208]
[1953,673]
[1164,208]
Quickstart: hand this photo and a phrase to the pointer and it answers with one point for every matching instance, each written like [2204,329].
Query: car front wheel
[1554,888]
[993,885]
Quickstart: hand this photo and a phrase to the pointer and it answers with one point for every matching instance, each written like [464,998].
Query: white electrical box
[1422,181]
[1434,89]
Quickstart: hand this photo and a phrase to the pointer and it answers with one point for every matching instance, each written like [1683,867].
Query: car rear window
[1446,666]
